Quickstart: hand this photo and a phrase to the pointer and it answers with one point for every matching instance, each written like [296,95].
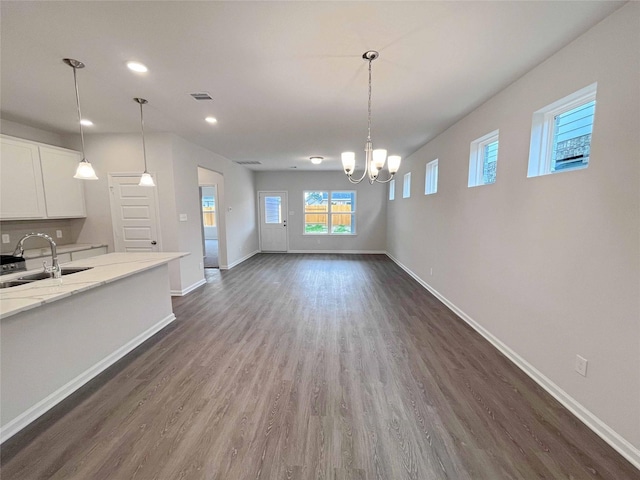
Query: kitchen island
[57,334]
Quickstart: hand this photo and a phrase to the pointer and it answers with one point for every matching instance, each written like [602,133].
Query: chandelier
[374,159]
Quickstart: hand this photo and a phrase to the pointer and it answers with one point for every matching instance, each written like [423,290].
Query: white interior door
[134,215]
[273,221]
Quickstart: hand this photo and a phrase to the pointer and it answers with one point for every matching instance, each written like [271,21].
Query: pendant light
[145,180]
[374,159]
[85,170]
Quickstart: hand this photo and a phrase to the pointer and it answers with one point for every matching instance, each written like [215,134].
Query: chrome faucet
[54,270]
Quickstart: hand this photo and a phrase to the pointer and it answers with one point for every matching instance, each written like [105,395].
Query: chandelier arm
[362,177]
[354,181]
[391,175]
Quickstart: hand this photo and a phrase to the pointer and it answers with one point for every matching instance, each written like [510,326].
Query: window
[561,134]
[330,212]
[483,160]
[431,178]
[406,185]
[392,189]
[208,211]
[273,209]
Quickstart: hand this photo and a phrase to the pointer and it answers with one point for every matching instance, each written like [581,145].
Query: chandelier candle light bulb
[374,159]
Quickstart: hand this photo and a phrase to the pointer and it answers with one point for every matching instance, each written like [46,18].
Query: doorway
[208,201]
[273,221]
[134,214]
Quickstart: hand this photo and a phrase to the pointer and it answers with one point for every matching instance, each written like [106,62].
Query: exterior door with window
[273,221]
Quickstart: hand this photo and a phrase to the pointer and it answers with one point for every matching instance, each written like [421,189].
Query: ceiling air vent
[201,96]
[250,162]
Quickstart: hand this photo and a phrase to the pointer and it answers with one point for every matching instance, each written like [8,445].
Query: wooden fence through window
[311,217]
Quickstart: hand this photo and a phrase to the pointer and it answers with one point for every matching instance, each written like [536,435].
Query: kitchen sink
[14,283]
[26,279]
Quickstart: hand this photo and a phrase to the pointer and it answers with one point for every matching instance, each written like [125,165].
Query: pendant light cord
[144,148]
[75,81]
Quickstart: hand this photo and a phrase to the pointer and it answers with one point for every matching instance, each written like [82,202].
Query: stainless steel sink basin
[26,279]
[14,283]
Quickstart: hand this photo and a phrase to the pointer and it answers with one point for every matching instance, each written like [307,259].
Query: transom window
[329,212]
[483,160]
[431,178]
[561,134]
[406,185]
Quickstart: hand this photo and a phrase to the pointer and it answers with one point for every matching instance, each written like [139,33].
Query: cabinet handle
[153,242]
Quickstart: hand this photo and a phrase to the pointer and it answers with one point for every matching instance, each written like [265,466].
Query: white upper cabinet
[36,181]
[21,189]
[64,195]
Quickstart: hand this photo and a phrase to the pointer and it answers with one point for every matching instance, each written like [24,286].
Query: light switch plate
[5,238]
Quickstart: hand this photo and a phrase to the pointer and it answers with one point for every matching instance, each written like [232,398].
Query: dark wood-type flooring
[312,367]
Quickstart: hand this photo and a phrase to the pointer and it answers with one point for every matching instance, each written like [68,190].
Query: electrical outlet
[5,238]
[183,217]
[58,233]
[581,365]
[431,271]
[201,265]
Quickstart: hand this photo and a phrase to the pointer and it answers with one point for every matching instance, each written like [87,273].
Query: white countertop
[106,268]
[71,247]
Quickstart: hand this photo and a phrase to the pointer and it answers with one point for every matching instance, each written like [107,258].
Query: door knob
[153,242]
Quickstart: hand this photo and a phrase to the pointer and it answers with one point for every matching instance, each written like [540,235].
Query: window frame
[330,212]
[542,131]
[476,158]
[392,189]
[431,177]
[406,185]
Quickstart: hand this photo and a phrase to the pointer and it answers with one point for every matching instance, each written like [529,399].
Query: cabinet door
[21,191]
[64,195]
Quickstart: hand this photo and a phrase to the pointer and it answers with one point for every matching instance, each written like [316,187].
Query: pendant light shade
[146,180]
[84,171]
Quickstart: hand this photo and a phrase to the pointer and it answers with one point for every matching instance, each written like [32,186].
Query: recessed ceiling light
[86,122]
[211,119]
[137,67]
[316,160]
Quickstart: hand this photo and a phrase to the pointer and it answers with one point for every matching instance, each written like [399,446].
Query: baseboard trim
[238,262]
[44,405]
[604,431]
[342,252]
[190,288]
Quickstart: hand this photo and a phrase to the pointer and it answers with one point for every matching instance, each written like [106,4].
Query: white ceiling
[287,78]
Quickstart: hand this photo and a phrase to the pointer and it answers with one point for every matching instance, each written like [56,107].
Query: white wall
[549,266]
[174,162]
[239,215]
[27,132]
[370,210]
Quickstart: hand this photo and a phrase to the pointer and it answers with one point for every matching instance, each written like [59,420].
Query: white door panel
[134,215]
